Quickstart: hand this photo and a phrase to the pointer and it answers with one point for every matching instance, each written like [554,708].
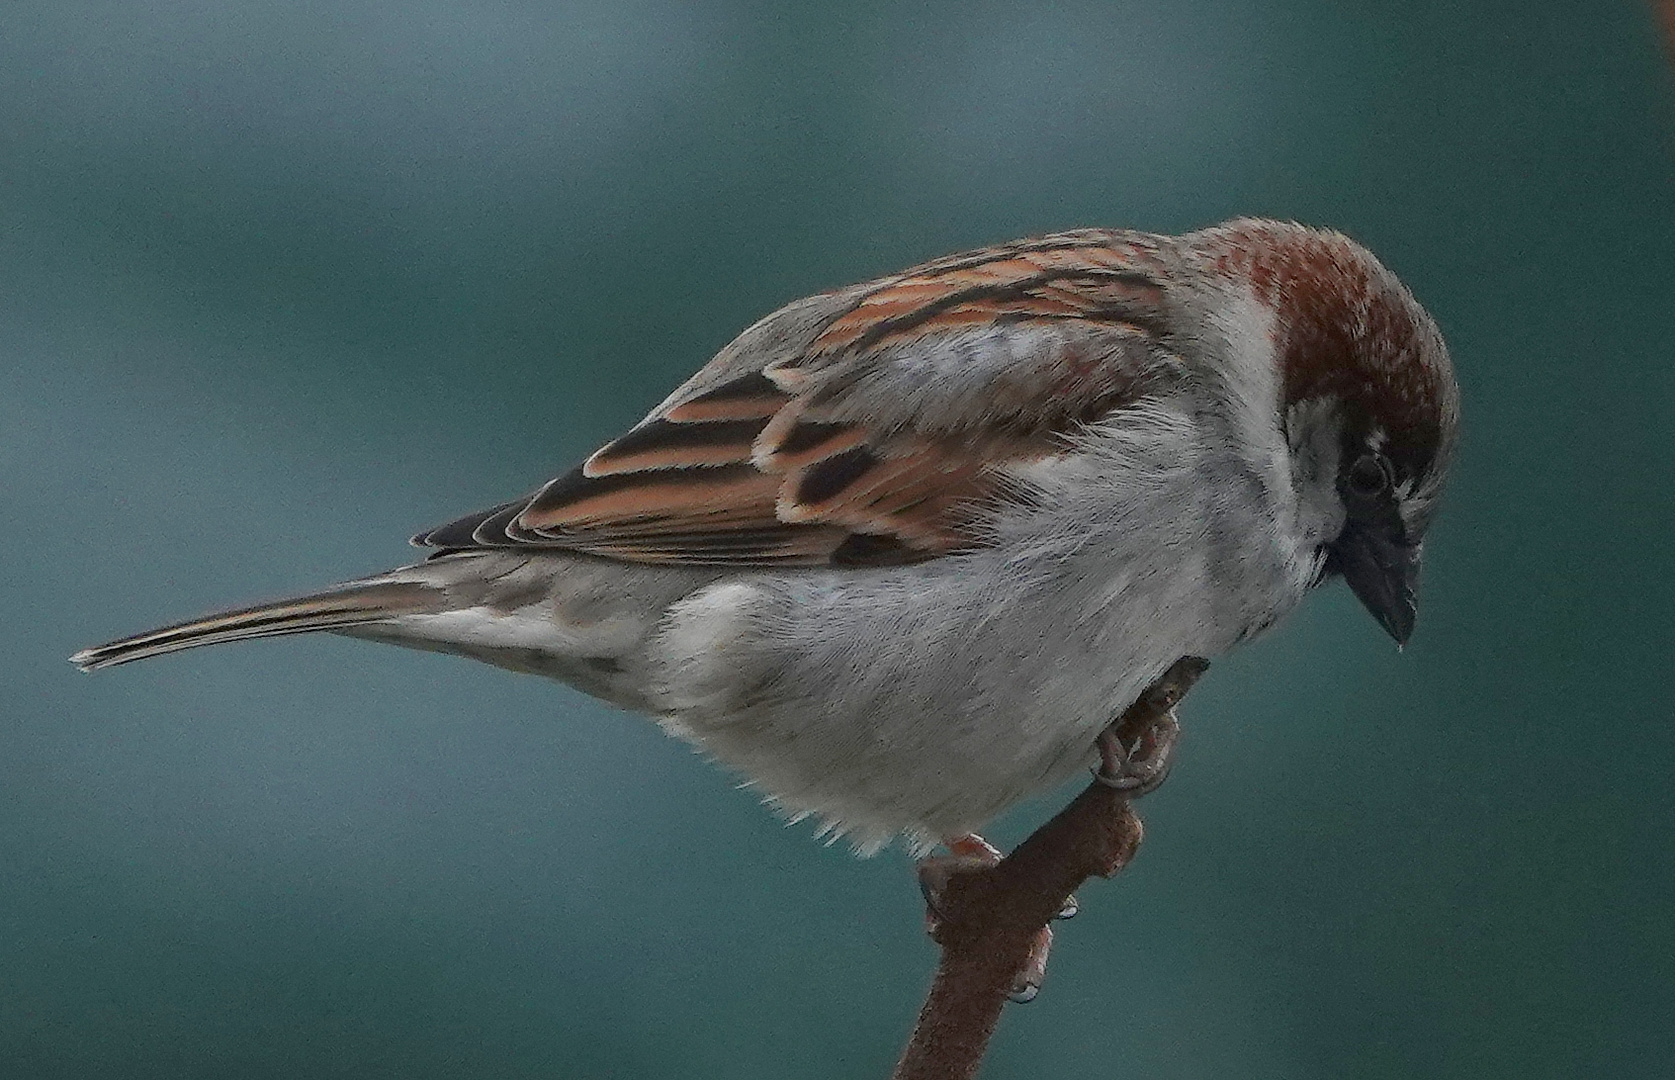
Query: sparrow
[901,552]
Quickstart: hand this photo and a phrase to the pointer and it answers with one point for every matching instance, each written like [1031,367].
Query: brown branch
[988,917]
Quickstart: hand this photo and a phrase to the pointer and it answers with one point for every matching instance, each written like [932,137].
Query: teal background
[281,284]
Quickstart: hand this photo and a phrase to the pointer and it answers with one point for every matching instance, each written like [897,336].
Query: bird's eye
[1369,476]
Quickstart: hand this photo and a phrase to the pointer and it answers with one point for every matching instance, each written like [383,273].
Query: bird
[900,552]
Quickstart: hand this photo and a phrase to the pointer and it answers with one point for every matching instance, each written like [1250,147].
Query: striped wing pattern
[885,434]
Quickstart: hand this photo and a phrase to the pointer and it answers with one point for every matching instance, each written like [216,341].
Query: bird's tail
[353,604]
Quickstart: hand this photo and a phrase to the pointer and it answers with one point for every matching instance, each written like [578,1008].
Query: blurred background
[281,284]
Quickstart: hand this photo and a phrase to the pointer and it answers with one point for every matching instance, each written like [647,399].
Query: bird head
[1368,403]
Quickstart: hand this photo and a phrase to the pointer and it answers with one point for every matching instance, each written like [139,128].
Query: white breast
[924,699]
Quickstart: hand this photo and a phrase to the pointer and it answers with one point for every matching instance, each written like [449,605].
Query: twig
[988,917]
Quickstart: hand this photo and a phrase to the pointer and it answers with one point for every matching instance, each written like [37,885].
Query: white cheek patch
[1253,391]
[1247,324]
[1314,431]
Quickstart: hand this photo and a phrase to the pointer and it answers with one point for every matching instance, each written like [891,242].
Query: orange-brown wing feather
[880,431]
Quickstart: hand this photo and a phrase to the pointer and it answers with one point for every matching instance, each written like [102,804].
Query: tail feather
[346,605]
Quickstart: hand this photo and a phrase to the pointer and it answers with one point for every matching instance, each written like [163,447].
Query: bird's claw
[934,874]
[966,855]
[1141,766]
[1027,984]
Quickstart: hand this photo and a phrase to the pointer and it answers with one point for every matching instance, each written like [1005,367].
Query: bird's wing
[870,426]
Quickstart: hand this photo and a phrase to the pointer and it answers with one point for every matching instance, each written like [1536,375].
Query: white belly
[925,699]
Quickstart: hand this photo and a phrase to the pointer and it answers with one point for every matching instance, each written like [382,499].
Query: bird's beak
[1383,570]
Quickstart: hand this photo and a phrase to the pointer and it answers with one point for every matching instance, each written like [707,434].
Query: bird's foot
[966,854]
[969,854]
[1136,750]
[1136,765]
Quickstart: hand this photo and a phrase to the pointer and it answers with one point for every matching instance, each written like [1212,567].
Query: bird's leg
[973,846]
[968,854]
[965,854]
[1136,763]
[981,853]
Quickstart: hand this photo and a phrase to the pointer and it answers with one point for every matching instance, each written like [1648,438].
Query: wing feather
[875,425]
